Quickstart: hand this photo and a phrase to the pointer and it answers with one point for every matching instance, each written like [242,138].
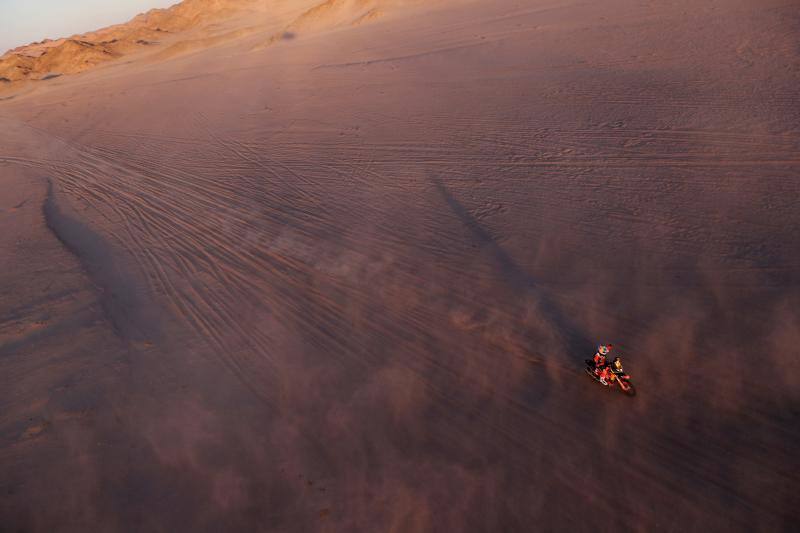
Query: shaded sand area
[329,276]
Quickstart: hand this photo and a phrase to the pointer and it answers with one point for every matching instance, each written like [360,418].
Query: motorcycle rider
[600,363]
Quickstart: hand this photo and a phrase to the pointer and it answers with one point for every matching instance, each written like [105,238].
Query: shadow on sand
[567,331]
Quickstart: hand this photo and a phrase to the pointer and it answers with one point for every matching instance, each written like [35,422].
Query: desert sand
[335,266]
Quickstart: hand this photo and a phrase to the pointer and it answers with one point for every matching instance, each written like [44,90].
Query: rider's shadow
[565,329]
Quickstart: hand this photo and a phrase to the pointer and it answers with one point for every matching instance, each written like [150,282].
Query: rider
[600,364]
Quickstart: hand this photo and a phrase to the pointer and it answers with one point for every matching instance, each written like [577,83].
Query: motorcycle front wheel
[627,387]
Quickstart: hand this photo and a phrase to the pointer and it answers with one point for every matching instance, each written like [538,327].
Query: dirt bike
[616,379]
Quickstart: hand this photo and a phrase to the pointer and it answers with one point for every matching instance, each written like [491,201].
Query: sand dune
[335,265]
[170,27]
[71,56]
[86,51]
[332,14]
[186,27]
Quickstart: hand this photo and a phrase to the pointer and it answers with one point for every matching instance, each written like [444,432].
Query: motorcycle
[616,379]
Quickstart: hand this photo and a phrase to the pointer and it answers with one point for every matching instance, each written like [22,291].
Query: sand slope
[186,27]
[326,275]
